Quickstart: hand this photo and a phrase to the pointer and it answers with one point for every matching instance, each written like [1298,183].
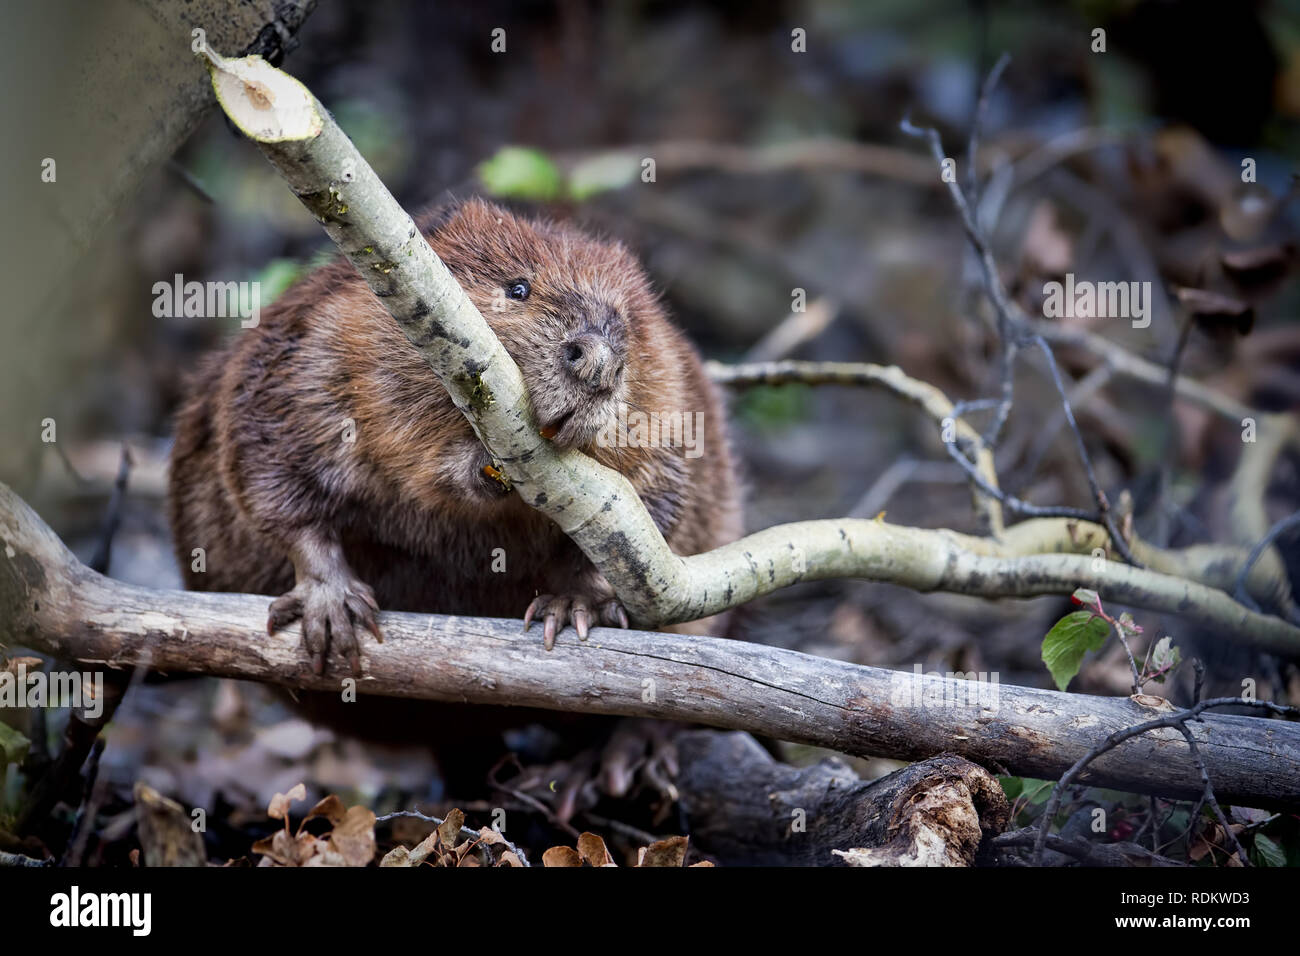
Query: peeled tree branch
[596,506]
[1217,566]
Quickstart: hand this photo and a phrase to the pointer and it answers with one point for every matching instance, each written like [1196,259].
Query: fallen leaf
[449,829]
[670,852]
[561,856]
[279,806]
[331,808]
[593,851]
[354,837]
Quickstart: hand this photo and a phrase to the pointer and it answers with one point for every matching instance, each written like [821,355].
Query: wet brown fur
[261,471]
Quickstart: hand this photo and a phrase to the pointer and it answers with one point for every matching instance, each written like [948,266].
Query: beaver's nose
[592,360]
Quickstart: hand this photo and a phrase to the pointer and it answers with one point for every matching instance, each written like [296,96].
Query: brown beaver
[320,458]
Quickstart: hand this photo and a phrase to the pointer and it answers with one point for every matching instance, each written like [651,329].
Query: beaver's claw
[557,610]
[332,612]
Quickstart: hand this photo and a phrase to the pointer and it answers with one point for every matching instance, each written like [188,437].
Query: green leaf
[773,407]
[1033,790]
[602,173]
[519,173]
[1165,655]
[276,276]
[1038,790]
[1067,642]
[1268,853]
[13,745]
[1087,597]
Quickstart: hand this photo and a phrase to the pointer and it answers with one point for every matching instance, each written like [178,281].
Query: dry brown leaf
[1209,840]
[440,847]
[425,847]
[331,808]
[592,850]
[354,836]
[561,856]
[284,849]
[670,852]
[279,807]
[350,842]
[450,827]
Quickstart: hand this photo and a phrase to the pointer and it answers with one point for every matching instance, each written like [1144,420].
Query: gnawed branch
[595,505]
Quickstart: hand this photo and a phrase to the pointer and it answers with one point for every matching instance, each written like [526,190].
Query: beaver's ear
[431,220]
[474,214]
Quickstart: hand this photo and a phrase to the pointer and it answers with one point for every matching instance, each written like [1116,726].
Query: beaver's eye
[518,289]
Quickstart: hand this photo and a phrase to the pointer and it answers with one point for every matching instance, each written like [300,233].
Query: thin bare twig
[1013,331]
[1176,720]
[981,108]
[466,833]
[113,516]
[1103,503]
[1209,795]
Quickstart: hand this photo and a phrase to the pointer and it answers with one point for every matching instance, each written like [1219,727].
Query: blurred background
[777,169]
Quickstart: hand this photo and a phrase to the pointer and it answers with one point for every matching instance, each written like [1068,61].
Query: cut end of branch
[268,105]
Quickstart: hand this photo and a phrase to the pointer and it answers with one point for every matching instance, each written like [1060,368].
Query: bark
[107,91]
[50,601]
[746,809]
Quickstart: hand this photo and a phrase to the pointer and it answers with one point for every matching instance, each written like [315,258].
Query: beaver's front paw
[557,610]
[332,612]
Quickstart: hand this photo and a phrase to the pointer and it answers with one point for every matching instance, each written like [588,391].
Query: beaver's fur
[404,516]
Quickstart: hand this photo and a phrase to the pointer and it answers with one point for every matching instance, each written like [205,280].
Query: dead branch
[747,809]
[1178,720]
[1014,333]
[819,154]
[52,602]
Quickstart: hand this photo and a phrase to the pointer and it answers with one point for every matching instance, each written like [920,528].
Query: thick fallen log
[51,602]
[747,809]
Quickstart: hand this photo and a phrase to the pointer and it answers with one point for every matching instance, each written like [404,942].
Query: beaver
[319,458]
